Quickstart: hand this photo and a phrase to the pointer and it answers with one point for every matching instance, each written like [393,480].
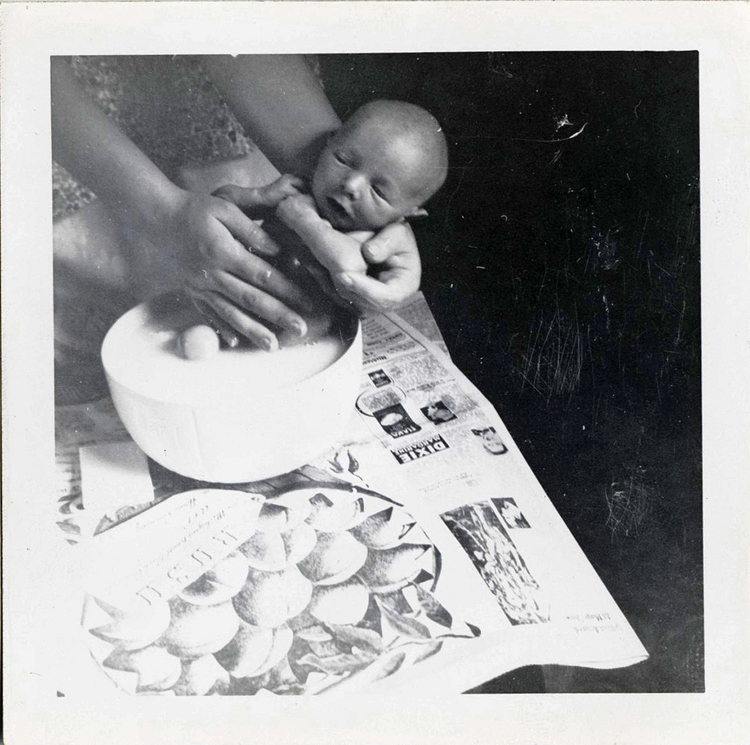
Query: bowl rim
[353,346]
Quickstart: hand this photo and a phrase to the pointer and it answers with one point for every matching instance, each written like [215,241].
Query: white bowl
[242,415]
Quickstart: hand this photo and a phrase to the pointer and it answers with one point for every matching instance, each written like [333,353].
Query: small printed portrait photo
[512,516]
[490,440]
[438,413]
[379,378]
[396,421]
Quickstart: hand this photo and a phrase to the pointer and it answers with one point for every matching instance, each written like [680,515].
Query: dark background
[564,273]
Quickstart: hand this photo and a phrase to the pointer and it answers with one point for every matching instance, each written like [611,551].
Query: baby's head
[383,164]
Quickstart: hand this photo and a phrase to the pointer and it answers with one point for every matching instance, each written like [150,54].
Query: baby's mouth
[337,211]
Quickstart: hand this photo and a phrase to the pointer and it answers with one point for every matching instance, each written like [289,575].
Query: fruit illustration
[279,517]
[156,668]
[271,551]
[201,676]
[330,515]
[255,650]
[197,630]
[329,588]
[392,568]
[218,584]
[336,557]
[340,604]
[270,599]
[384,529]
[134,629]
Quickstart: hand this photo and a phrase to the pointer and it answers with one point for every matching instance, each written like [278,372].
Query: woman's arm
[281,105]
[89,145]
[179,237]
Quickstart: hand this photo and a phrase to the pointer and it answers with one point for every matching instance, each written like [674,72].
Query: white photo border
[32,32]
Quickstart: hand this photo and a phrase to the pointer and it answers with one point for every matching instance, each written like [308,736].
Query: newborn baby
[380,167]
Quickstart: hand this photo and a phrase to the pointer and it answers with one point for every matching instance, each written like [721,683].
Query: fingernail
[269,344]
[233,341]
[300,327]
[346,280]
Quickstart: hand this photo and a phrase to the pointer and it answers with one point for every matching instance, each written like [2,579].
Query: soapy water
[144,353]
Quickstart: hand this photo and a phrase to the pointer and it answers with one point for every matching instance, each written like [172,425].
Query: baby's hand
[296,209]
[337,252]
[284,186]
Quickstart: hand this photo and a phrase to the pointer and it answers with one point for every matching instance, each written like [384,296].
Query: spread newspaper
[420,550]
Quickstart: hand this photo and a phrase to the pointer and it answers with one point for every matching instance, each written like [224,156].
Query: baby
[380,167]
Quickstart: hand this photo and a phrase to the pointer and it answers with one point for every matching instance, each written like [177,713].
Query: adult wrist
[155,201]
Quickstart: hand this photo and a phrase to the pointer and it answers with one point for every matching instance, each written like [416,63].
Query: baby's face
[368,177]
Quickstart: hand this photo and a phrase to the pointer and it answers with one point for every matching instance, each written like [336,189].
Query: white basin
[242,415]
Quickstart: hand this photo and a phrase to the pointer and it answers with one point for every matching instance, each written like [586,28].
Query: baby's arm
[261,197]
[337,252]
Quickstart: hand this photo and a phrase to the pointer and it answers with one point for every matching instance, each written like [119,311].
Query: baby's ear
[416,213]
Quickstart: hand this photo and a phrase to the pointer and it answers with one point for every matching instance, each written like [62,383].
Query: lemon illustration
[197,630]
[157,670]
[255,650]
[340,604]
[279,517]
[393,568]
[271,551]
[134,628]
[218,584]
[336,557]
[335,512]
[201,675]
[384,529]
[270,599]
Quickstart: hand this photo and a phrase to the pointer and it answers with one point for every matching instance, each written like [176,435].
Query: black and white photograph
[379,378]
[492,551]
[437,412]
[559,236]
[490,439]
[223,209]
[395,420]
[511,514]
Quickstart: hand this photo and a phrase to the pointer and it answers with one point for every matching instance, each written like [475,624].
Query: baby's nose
[353,185]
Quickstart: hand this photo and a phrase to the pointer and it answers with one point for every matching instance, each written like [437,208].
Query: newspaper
[419,553]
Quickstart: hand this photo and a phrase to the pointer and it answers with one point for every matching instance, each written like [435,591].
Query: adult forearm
[94,149]
[280,103]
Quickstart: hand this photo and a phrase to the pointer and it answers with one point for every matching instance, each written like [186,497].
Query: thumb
[380,248]
[394,239]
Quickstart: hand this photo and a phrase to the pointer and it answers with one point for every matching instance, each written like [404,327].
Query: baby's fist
[284,186]
[294,209]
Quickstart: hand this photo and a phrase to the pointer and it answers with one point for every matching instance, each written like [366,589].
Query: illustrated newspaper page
[419,549]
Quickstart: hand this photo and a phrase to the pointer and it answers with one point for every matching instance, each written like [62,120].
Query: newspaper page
[420,550]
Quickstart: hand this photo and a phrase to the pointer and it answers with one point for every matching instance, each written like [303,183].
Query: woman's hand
[290,129]
[216,254]
[174,237]
[394,275]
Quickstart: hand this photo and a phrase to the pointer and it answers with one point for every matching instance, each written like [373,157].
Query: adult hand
[175,237]
[394,275]
[217,254]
